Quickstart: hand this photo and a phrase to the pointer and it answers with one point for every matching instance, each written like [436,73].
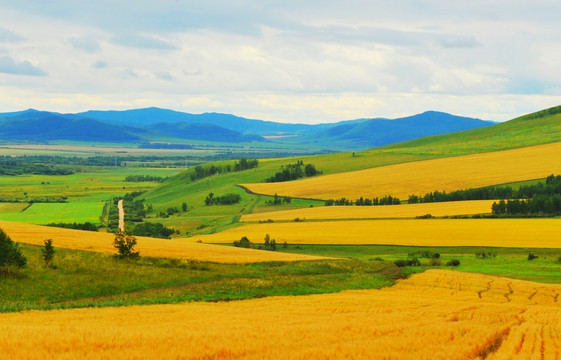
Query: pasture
[463,316]
[421,177]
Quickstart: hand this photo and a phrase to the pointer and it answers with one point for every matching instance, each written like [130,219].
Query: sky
[286,61]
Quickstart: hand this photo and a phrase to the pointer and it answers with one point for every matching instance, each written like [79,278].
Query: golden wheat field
[434,315]
[103,242]
[375,212]
[539,233]
[421,177]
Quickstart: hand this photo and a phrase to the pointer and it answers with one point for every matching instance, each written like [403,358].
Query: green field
[509,262]
[80,280]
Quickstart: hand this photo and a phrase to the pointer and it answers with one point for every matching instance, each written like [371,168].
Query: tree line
[362,201]
[24,165]
[550,187]
[291,172]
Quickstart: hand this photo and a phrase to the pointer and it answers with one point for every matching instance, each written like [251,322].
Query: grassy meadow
[80,279]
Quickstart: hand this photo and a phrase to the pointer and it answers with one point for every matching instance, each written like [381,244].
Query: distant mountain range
[154,124]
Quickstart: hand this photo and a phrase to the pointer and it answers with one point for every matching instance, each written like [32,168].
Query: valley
[364,265]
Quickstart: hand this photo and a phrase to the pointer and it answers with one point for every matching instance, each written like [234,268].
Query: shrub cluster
[145,178]
[226,199]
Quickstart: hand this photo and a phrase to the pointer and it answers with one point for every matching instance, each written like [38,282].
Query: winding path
[121,216]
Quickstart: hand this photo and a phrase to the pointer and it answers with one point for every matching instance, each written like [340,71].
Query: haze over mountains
[162,125]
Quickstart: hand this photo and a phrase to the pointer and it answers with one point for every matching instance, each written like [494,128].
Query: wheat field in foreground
[534,233]
[421,177]
[450,208]
[434,315]
[103,242]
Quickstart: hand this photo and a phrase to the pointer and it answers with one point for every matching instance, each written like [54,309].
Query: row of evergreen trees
[551,187]
[385,200]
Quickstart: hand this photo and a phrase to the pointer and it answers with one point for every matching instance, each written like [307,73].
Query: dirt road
[121,216]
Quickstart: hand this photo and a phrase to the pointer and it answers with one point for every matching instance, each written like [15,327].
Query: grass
[81,280]
[78,211]
[509,262]
[86,191]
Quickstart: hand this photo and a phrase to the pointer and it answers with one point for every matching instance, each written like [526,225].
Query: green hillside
[533,129]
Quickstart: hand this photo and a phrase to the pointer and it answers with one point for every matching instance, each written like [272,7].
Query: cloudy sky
[289,61]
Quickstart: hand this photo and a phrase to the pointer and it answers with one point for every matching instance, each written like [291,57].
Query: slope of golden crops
[103,242]
[421,177]
[435,315]
[375,212]
[540,233]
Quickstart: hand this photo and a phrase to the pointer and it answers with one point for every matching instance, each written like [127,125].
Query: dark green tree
[184,207]
[125,244]
[10,253]
[48,253]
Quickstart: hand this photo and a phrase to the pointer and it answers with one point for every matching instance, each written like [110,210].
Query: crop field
[434,315]
[103,242]
[451,208]
[525,233]
[446,174]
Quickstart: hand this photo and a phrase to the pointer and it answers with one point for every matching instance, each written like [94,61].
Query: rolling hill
[404,157]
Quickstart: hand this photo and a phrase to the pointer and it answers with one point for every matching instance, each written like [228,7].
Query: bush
[411,262]
[10,253]
[244,243]
[435,262]
[453,262]
[485,255]
[532,257]
[400,263]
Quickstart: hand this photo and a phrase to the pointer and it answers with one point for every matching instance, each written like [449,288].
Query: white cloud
[11,66]
[287,61]
[87,44]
